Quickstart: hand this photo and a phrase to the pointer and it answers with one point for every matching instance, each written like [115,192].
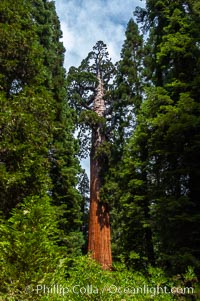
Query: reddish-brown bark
[99,220]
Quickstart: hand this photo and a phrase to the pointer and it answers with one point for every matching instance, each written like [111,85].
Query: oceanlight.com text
[57,289]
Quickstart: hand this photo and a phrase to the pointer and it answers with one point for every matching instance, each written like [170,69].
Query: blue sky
[84,22]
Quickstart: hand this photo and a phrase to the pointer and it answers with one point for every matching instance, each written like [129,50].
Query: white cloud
[84,22]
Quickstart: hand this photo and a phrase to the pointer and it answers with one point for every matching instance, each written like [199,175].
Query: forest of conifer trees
[131,231]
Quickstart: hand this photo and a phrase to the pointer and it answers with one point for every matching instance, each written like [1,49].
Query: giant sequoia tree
[37,144]
[26,107]
[87,86]
[37,148]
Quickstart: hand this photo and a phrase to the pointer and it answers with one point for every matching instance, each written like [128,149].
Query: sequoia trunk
[99,221]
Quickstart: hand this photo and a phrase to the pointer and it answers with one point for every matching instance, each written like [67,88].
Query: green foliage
[28,250]
[91,119]
[174,127]
[37,145]
[86,281]
[129,75]
[37,149]
[82,83]
[63,148]
[21,54]
[26,124]
[156,198]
